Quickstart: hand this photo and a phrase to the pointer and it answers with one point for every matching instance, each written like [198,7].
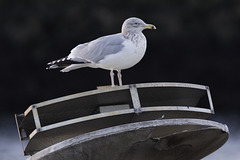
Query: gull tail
[67,64]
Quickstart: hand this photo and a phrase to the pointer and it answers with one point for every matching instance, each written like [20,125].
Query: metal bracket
[135,99]
[19,131]
[36,117]
[210,99]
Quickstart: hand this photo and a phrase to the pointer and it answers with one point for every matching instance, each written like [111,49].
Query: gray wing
[97,49]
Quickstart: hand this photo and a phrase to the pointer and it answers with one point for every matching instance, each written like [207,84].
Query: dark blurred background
[196,41]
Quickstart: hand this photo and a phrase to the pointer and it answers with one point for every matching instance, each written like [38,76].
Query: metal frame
[20,132]
[36,121]
[36,117]
[135,99]
[210,100]
[128,128]
[120,112]
[118,88]
[135,102]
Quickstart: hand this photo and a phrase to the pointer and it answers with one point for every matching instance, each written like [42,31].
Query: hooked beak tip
[150,26]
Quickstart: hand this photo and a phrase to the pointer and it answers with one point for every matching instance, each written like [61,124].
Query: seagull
[114,52]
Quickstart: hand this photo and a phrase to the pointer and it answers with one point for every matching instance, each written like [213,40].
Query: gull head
[135,25]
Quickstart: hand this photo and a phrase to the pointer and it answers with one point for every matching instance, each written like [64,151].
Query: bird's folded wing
[96,50]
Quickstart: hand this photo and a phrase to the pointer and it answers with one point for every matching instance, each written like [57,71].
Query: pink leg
[119,77]
[112,78]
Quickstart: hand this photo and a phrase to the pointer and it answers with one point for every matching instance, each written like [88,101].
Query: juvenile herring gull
[113,52]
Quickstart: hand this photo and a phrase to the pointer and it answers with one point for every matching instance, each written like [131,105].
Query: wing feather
[96,50]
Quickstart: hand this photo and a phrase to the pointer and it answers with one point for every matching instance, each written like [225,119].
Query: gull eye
[135,24]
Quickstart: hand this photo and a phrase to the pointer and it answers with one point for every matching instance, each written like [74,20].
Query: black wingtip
[64,62]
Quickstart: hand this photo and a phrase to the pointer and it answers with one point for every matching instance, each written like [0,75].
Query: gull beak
[150,26]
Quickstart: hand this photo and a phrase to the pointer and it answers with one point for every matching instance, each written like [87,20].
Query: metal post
[210,99]
[19,132]
[36,117]
[135,99]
